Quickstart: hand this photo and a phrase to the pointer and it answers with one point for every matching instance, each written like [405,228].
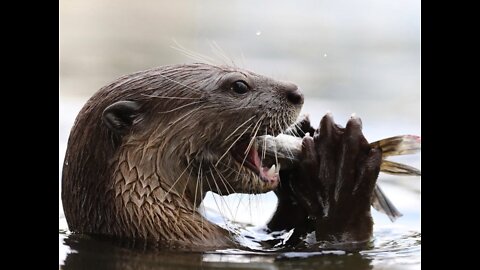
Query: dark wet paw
[336,179]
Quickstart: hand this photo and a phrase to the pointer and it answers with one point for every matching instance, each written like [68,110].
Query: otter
[145,149]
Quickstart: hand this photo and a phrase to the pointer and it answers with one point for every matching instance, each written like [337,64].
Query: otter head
[232,110]
[169,135]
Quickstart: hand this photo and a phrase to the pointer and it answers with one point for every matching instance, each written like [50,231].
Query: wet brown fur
[147,183]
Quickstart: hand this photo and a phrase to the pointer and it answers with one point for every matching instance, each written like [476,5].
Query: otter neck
[157,203]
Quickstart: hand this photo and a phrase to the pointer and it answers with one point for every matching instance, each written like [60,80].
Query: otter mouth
[250,159]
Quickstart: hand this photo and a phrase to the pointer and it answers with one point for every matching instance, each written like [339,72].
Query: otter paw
[336,179]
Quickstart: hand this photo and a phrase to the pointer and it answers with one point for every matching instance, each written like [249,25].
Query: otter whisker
[246,121]
[195,57]
[287,127]
[170,124]
[217,50]
[255,134]
[234,191]
[277,122]
[175,182]
[264,150]
[188,113]
[150,143]
[228,149]
[183,106]
[227,167]
[276,126]
[246,154]
[241,195]
[231,171]
[238,205]
[183,192]
[192,54]
[222,179]
[239,108]
[196,189]
[221,176]
[186,184]
[201,195]
[179,83]
[181,118]
[215,200]
[250,202]
[221,195]
[288,152]
[275,152]
[296,129]
[165,97]
[264,145]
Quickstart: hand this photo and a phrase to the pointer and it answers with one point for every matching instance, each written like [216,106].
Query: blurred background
[347,56]
[350,51]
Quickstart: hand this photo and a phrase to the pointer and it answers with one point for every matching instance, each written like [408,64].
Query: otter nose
[294,95]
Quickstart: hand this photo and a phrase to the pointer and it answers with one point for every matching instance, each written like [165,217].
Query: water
[347,56]
[395,245]
[92,254]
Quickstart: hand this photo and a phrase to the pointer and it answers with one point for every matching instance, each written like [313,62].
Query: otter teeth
[271,172]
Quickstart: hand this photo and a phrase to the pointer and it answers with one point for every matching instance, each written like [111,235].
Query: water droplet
[324,55]
[258,33]
[66,163]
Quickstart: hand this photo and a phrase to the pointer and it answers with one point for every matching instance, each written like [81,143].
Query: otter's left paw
[336,179]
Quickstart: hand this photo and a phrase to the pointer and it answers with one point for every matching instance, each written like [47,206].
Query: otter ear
[120,115]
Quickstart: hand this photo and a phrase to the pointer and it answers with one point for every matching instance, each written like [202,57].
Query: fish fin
[399,145]
[383,205]
[396,168]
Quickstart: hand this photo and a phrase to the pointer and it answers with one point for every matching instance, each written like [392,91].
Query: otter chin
[146,148]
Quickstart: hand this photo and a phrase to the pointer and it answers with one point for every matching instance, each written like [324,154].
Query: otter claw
[354,122]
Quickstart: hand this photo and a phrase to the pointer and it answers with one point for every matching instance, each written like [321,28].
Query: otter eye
[240,87]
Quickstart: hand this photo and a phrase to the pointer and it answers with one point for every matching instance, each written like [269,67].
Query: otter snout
[295,97]
[293,94]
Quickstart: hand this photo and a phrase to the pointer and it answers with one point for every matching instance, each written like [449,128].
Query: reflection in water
[89,253]
[393,247]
